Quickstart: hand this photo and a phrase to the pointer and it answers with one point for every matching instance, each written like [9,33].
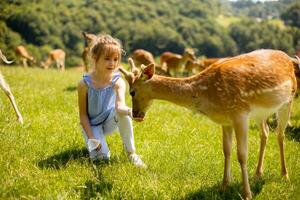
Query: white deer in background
[253,85]
[5,87]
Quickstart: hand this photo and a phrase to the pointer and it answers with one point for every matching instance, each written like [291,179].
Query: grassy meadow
[46,158]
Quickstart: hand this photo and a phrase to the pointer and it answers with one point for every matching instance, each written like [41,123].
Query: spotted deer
[253,85]
[5,87]
[175,63]
[57,56]
[23,55]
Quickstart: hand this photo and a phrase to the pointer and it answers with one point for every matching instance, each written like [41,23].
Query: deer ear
[148,71]
[89,37]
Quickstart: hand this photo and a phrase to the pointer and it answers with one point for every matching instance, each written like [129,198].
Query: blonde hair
[107,45]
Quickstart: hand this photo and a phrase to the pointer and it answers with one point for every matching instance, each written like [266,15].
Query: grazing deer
[194,66]
[143,57]
[58,56]
[23,55]
[209,61]
[253,85]
[175,63]
[5,87]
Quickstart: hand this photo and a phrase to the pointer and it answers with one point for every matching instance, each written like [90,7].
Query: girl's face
[109,60]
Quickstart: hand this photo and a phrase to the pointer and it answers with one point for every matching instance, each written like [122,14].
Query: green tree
[292,15]
[250,35]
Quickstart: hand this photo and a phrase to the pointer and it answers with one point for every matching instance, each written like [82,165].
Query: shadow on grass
[71,89]
[293,133]
[93,189]
[90,189]
[232,192]
[60,160]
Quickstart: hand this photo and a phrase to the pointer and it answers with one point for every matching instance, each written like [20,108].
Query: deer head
[89,37]
[32,60]
[138,79]
[189,53]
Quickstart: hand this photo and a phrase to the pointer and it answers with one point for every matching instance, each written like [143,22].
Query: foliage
[157,26]
[8,39]
[292,15]
[250,35]
[258,9]
[295,32]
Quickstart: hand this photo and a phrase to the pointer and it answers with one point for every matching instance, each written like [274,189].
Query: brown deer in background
[86,51]
[193,67]
[230,92]
[85,59]
[23,55]
[196,66]
[175,63]
[143,57]
[5,87]
[57,56]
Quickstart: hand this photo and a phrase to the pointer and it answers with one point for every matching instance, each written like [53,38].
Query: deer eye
[132,93]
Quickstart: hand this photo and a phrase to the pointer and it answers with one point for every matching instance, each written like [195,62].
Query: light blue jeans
[123,123]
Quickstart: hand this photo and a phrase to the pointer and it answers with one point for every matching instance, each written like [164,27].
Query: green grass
[46,159]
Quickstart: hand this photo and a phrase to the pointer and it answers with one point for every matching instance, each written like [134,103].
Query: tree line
[157,26]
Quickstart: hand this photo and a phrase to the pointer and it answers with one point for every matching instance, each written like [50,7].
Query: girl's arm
[83,116]
[84,120]
[121,107]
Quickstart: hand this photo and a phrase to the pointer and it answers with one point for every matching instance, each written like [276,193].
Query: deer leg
[227,147]
[164,67]
[283,118]
[24,60]
[263,141]
[240,124]
[63,66]
[57,65]
[9,94]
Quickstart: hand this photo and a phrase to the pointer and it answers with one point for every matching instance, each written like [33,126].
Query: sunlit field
[45,158]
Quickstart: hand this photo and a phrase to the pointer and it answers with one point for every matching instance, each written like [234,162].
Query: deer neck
[176,90]
[48,61]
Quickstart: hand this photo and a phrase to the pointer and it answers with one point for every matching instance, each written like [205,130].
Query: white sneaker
[137,161]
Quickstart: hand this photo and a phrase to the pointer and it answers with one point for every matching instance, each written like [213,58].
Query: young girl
[101,99]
